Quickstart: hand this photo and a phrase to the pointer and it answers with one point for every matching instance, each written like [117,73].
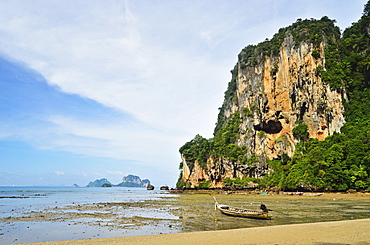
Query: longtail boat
[312,194]
[241,212]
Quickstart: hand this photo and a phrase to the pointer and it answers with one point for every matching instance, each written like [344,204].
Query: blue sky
[106,88]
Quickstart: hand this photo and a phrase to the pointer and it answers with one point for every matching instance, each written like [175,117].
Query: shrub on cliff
[301,131]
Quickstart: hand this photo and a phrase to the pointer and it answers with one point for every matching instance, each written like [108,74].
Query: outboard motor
[264,208]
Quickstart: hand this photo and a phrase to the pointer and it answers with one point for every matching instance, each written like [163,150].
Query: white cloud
[102,55]
[59,173]
[118,173]
[111,140]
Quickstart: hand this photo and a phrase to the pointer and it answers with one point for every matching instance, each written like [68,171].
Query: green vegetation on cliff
[309,31]
[222,145]
[338,163]
[341,161]
[198,150]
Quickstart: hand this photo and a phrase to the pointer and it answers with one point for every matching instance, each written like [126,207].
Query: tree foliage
[198,150]
[222,144]
[338,163]
[240,181]
[308,31]
[301,131]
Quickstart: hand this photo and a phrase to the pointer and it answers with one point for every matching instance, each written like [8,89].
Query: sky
[94,89]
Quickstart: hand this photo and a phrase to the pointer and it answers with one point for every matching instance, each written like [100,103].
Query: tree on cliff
[198,149]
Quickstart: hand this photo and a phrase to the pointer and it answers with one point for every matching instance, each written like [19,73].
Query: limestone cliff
[273,93]
[280,92]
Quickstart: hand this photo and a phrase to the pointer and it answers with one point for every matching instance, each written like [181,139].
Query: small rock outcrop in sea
[164,187]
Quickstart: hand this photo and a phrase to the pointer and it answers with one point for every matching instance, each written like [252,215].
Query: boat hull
[240,212]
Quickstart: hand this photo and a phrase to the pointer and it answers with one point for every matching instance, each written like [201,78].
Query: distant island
[133,181]
[127,181]
[99,183]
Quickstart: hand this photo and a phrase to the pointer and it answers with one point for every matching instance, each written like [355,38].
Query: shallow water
[36,214]
[300,209]
[84,213]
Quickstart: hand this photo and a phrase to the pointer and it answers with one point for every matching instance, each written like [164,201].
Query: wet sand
[337,232]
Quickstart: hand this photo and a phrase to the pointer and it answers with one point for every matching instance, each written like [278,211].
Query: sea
[18,201]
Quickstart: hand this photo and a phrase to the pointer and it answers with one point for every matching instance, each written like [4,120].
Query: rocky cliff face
[273,96]
[280,93]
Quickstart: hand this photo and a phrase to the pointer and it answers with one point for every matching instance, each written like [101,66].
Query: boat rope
[277,211]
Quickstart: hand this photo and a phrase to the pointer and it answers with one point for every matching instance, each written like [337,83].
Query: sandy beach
[337,232]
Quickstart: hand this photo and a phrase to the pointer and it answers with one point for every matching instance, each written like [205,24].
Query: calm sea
[11,196]
[18,201]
